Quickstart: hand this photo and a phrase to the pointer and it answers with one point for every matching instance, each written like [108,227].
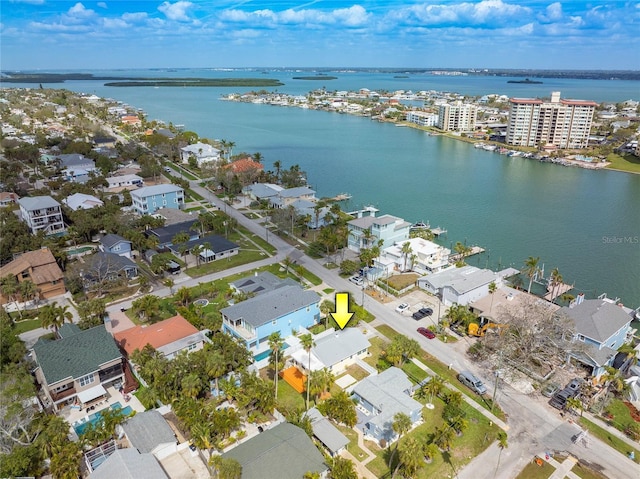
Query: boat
[420,225]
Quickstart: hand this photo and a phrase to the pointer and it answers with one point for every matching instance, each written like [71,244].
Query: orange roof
[157,335]
[245,164]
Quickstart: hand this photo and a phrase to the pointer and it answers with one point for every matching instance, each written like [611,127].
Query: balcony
[62,394]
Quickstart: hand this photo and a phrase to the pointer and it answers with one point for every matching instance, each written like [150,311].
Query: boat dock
[437,231]
[474,250]
[554,291]
[341,197]
[421,225]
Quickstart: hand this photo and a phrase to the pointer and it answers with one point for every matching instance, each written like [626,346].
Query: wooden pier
[341,197]
[457,257]
[437,231]
[554,291]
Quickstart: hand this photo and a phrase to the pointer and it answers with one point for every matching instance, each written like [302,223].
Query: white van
[472,382]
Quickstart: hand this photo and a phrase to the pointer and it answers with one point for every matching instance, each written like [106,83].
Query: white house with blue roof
[285,310]
[148,200]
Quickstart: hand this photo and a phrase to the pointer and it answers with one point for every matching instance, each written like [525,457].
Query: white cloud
[79,11]
[30,2]
[176,11]
[134,17]
[352,16]
[554,11]
[102,5]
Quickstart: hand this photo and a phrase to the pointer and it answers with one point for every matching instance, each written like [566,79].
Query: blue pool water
[265,354]
[80,427]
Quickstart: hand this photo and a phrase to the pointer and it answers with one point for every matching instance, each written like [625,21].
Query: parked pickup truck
[571,390]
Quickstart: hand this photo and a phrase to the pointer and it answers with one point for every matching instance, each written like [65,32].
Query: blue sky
[57,34]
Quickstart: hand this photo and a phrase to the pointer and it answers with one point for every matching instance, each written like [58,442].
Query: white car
[402,307]
[356,280]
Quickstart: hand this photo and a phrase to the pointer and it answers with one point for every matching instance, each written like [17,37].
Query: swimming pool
[80,250]
[265,354]
[80,426]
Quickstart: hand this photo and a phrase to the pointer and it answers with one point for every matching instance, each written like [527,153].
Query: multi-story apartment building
[559,123]
[457,116]
[149,199]
[42,213]
[422,118]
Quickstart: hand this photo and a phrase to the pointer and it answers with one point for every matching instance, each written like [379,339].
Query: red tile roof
[245,164]
[157,335]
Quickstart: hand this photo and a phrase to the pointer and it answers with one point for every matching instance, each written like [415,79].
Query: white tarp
[90,394]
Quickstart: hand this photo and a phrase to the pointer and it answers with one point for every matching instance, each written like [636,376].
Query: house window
[25,274]
[192,347]
[86,380]
[116,248]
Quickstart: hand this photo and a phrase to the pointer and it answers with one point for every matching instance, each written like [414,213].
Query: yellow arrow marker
[342,314]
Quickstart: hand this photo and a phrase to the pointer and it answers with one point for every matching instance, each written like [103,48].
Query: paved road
[533,427]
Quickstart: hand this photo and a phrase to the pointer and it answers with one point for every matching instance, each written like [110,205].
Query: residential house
[334,350]
[103,267]
[132,120]
[201,152]
[104,142]
[603,326]
[78,367]
[211,248]
[115,244]
[80,201]
[170,337]
[383,396]
[425,256]
[260,283]
[492,306]
[285,310]
[282,452]
[7,198]
[130,181]
[40,267]
[172,216]
[326,433]
[286,197]
[42,213]
[148,199]
[76,167]
[308,208]
[245,167]
[368,231]
[262,191]
[165,234]
[460,285]
[149,433]
[129,464]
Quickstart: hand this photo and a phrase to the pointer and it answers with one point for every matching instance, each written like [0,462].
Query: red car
[427,333]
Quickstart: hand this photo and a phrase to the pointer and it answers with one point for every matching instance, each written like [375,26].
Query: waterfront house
[201,152]
[170,337]
[288,196]
[429,257]
[383,396]
[368,231]
[148,199]
[129,464]
[285,310]
[262,191]
[129,181]
[149,433]
[492,306]
[459,285]
[80,201]
[41,268]
[326,433]
[42,213]
[334,350]
[282,452]
[79,366]
[165,234]
[603,326]
[115,244]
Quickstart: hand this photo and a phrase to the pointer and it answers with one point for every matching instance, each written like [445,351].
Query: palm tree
[401,424]
[191,385]
[575,404]
[54,316]
[146,307]
[169,283]
[493,287]
[326,307]
[275,344]
[555,280]
[502,444]
[183,296]
[277,165]
[411,454]
[431,388]
[531,269]
[307,342]
[430,450]
[443,437]
[406,250]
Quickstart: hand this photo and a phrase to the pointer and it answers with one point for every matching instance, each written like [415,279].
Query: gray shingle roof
[283,452]
[147,430]
[217,243]
[336,347]
[597,319]
[129,464]
[155,190]
[296,192]
[261,283]
[111,240]
[76,355]
[325,432]
[272,305]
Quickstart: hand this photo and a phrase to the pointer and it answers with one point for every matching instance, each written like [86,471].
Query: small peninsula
[526,81]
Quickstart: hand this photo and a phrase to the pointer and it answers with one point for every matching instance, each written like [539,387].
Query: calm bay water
[584,222]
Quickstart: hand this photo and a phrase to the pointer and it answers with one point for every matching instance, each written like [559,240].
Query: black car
[418,315]
[426,311]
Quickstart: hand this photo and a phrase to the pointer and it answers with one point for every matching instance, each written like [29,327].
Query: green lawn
[628,162]
[415,373]
[328,290]
[475,439]
[352,447]
[533,471]
[243,257]
[26,325]
[608,438]
[308,275]
[377,347]
[288,398]
[621,415]
[196,196]
[387,331]
[585,472]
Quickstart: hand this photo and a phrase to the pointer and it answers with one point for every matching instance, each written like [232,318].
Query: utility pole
[495,384]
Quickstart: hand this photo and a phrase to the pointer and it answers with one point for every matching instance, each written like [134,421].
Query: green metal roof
[76,355]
